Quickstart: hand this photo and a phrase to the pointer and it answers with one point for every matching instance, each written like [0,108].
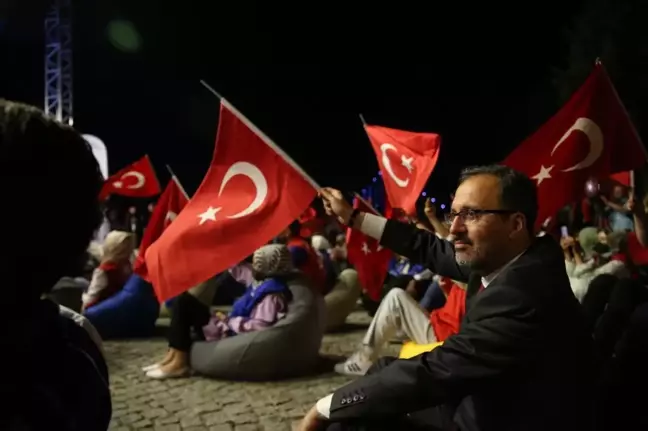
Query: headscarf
[272,260]
[588,238]
[320,243]
[118,246]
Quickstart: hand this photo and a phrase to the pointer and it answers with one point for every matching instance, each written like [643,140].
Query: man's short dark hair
[50,182]
[517,191]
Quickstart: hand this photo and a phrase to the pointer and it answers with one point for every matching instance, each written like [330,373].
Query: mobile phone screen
[563,231]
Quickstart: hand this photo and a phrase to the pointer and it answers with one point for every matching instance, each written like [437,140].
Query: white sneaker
[356,365]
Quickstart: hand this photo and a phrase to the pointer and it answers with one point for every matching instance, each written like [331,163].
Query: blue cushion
[131,312]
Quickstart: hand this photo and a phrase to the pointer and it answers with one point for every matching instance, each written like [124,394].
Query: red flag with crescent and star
[167,208]
[137,180]
[406,160]
[250,193]
[369,259]
[591,136]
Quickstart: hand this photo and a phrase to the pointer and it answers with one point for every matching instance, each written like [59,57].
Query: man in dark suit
[522,359]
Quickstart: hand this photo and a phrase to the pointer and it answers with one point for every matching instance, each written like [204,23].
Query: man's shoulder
[541,263]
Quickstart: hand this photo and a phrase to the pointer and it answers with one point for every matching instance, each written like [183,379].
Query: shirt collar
[488,279]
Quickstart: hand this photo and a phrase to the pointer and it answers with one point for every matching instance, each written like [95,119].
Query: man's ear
[519,223]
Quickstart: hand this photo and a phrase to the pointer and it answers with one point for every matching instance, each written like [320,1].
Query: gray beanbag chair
[67,292]
[290,348]
[342,299]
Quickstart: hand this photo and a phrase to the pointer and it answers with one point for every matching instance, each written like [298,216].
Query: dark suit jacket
[522,360]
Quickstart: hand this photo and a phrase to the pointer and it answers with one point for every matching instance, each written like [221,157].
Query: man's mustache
[463,239]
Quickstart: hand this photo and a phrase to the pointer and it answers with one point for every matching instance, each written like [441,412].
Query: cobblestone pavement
[201,404]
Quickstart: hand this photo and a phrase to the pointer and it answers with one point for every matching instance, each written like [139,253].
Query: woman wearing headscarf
[264,303]
[114,270]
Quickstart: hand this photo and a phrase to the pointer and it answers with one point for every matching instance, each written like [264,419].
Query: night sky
[478,75]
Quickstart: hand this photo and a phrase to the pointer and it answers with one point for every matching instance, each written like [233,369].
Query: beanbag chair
[342,299]
[67,292]
[411,349]
[84,323]
[131,312]
[290,348]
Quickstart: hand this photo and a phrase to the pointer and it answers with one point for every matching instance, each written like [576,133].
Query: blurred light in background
[123,36]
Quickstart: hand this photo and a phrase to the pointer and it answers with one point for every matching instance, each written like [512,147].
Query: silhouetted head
[51,183]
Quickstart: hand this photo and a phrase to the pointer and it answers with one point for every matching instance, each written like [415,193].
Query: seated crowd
[603,263]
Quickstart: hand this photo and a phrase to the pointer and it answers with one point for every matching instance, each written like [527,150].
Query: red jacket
[307,261]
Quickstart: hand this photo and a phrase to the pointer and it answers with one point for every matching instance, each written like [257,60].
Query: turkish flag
[623,178]
[369,259]
[250,193]
[406,160]
[171,202]
[137,180]
[591,136]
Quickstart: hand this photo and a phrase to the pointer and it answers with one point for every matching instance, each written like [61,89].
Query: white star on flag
[545,173]
[210,214]
[407,163]
[365,248]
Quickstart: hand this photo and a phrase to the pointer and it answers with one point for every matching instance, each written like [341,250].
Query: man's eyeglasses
[470,215]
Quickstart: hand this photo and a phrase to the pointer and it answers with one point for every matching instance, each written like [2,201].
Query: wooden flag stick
[211,89]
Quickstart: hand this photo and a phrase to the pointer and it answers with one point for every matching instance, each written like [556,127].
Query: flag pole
[210,89]
[177,181]
[361,199]
[269,142]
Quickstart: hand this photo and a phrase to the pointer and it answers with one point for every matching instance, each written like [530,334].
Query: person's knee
[396,294]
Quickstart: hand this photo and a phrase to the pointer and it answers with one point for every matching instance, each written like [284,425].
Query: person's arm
[265,314]
[501,335]
[418,245]
[98,283]
[615,206]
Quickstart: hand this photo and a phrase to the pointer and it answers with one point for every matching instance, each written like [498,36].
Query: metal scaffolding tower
[58,61]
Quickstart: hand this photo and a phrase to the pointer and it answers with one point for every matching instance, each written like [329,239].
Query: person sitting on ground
[399,314]
[56,375]
[506,368]
[115,268]
[263,304]
[304,257]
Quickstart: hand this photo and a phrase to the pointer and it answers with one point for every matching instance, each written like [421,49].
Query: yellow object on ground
[411,349]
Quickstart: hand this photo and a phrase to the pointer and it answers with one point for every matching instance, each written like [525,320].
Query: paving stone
[167,428]
[190,421]
[199,404]
[130,418]
[144,423]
